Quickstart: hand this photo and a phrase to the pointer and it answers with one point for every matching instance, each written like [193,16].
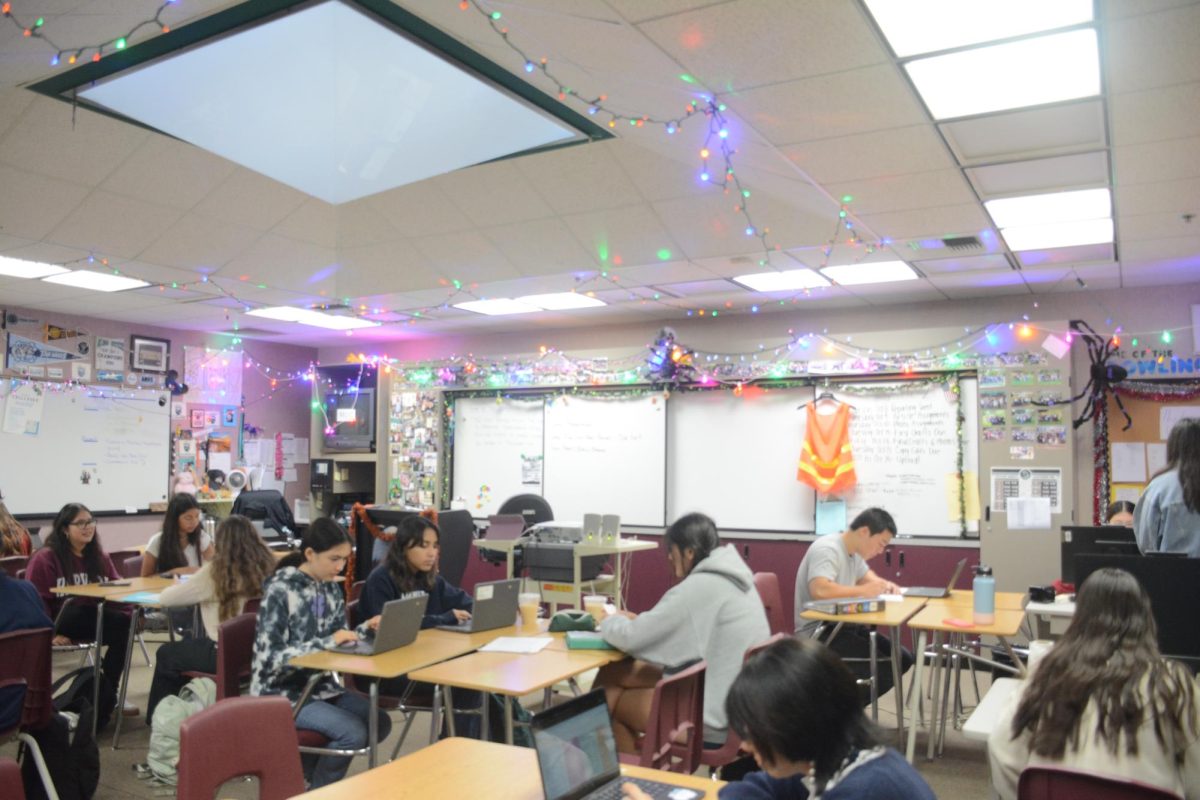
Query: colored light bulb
[120,43]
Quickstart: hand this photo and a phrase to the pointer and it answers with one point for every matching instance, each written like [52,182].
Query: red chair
[10,780]
[25,659]
[763,645]
[121,559]
[767,584]
[1052,783]
[674,735]
[236,737]
[14,565]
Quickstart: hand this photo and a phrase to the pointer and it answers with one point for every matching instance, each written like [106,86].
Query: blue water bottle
[985,596]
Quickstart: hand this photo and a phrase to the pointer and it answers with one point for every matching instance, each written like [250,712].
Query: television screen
[350,419]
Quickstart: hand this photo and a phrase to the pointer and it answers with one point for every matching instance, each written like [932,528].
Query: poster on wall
[110,355]
[73,341]
[21,351]
[215,376]
[23,411]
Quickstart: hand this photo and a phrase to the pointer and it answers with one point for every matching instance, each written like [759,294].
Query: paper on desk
[1028,513]
[891,598]
[1128,462]
[147,598]
[516,644]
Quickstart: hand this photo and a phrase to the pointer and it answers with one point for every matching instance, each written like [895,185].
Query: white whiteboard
[607,455]
[497,451]
[905,448]
[106,448]
[735,458]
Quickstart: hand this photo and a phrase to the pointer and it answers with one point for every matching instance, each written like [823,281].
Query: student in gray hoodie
[713,614]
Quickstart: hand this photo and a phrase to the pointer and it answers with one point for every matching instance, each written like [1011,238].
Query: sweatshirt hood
[726,562]
[292,577]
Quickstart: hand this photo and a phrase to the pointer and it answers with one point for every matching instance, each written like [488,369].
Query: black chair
[533,508]
[269,506]
[458,531]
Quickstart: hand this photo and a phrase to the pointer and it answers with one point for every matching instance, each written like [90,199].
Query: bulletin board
[1137,453]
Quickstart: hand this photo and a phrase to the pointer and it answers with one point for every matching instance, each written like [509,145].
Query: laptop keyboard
[658,791]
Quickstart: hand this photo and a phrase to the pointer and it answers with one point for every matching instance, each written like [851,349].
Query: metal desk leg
[508,722]
[938,735]
[96,669]
[617,581]
[133,623]
[915,697]
[448,711]
[485,728]
[872,637]
[897,679]
[938,654]
[373,725]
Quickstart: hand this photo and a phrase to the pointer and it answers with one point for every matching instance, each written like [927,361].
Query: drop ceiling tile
[1185,248]
[1159,272]
[1066,255]
[82,147]
[1171,112]
[494,194]
[1153,49]
[249,198]
[419,209]
[360,223]
[1092,276]
[712,43]
[899,151]
[1121,9]
[1164,197]
[13,102]
[959,264]
[168,172]
[1131,228]
[706,225]
[631,235]
[980,284]
[664,272]
[1051,130]
[467,257]
[576,179]
[315,221]
[277,262]
[709,288]
[1168,160]
[906,291]
[660,170]
[906,192]
[958,220]
[195,241]
[839,104]
[385,268]
[541,247]
[109,224]
[32,205]
[1057,173]
[641,11]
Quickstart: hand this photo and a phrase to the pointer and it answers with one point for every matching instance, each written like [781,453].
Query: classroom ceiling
[818,108]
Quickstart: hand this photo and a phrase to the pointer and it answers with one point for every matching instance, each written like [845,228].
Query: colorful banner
[21,352]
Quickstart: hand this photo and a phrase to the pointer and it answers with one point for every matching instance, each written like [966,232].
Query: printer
[549,553]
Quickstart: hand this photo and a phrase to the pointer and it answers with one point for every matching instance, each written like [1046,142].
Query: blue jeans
[342,720]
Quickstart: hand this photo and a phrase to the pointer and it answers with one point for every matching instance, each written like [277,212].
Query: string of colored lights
[36,30]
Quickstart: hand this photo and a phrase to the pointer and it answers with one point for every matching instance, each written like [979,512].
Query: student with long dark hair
[72,555]
[1104,700]
[240,565]
[1119,512]
[714,613]
[182,546]
[14,539]
[410,566]
[796,708]
[1167,518]
[303,610]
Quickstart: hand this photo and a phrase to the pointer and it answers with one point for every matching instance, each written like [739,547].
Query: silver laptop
[935,591]
[577,754]
[495,607]
[398,626]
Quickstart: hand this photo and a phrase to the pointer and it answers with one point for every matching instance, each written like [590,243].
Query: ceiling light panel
[787,281]
[497,307]
[870,272]
[18,268]
[913,27]
[96,281]
[1044,209]
[560,301]
[1030,72]
[1065,234]
[281,313]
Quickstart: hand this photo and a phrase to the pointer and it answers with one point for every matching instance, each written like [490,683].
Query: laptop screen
[576,750]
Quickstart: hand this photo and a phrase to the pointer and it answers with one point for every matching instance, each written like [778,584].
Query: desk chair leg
[940,734]
[897,680]
[547,697]
[142,644]
[874,645]
[574,684]
[96,680]
[508,721]
[409,718]
[915,697]
[133,624]
[31,747]
[373,726]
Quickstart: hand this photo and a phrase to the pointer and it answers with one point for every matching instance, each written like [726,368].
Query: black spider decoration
[1103,375]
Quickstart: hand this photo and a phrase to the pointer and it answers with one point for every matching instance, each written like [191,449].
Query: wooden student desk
[468,768]
[513,674]
[932,619]
[892,617]
[1007,601]
[101,592]
[430,647]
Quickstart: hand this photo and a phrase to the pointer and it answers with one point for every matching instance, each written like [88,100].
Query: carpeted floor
[961,772]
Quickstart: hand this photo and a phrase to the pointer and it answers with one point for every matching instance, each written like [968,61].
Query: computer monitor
[1173,585]
[1078,539]
[388,516]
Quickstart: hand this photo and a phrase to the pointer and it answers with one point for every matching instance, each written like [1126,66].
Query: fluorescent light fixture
[497,306]
[913,27]
[1043,209]
[96,281]
[787,281]
[308,316]
[1031,72]
[561,301]
[1064,234]
[331,101]
[17,268]
[870,272]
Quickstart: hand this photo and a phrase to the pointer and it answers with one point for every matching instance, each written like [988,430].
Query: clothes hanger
[826,395]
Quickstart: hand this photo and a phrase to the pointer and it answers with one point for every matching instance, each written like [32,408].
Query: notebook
[936,591]
[398,626]
[577,754]
[495,607]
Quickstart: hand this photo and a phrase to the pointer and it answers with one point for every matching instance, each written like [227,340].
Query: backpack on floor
[71,755]
[80,692]
[163,758]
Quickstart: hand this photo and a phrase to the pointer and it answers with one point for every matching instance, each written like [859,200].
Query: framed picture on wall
[229,416]
[148,353]
[197,417]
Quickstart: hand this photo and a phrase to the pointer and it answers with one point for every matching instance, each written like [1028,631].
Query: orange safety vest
[826,463]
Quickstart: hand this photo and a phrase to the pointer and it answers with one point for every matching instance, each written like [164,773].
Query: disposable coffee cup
[528,604]
[594,605]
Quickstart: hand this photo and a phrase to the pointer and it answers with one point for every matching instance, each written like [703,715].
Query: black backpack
[72,756]
[81,692]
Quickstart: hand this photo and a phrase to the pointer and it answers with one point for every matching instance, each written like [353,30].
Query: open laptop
[937,591]
[398,626]
[495,607]
[577,754]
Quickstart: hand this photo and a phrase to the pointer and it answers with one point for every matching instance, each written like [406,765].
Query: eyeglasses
[83,523]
